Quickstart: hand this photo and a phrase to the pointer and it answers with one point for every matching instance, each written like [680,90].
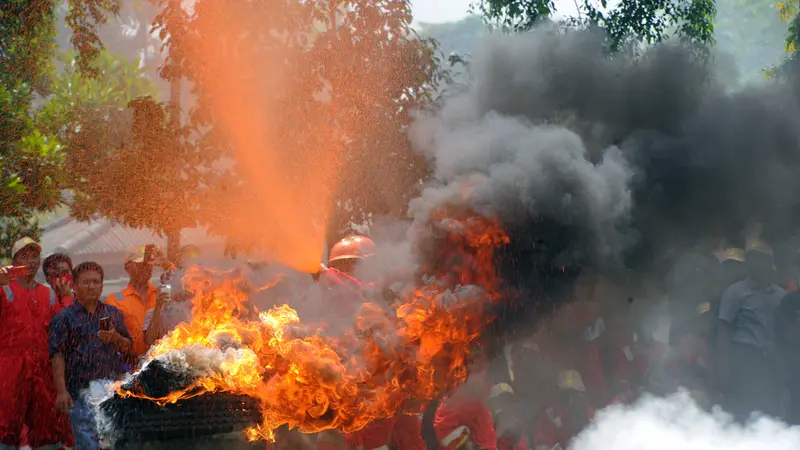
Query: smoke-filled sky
[435,11]
[605,158]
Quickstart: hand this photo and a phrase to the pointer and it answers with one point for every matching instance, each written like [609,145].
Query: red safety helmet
[353,247]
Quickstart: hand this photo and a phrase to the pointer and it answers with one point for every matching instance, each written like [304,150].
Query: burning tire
[138,421]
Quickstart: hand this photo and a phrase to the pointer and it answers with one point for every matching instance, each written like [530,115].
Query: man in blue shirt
[87,341]
[747,362]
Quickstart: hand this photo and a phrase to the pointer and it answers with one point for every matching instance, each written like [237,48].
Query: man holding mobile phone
[58,274]
[175,307]
[140,295]
[87,341]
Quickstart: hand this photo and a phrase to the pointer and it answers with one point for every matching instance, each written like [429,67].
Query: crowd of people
[61,336]
[729,342]
[725,332]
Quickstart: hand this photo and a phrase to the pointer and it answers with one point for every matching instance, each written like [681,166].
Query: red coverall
[63,302]
[27,396]
[402,432]
[407,433]
[627,364]
[64,428]
[462,420]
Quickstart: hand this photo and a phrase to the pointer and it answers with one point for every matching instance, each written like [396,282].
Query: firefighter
[397,433]
[482,413]
[345,254]
[732,270]
[579,328]
[339,274]
[27,397]
[463,420]
[533,376]
[407,433]
[567,416]
[502,403]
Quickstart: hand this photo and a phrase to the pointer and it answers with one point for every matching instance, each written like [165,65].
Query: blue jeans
[84,429]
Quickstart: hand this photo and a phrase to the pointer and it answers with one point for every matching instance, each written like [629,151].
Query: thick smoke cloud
[597,161]
[677,423]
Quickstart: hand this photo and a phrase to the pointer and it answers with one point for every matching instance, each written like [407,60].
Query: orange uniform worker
[27,397]
[139,296]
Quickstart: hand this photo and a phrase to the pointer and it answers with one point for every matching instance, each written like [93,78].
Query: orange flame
[397,359]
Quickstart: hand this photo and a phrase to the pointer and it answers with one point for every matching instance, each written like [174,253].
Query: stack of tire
[134,422]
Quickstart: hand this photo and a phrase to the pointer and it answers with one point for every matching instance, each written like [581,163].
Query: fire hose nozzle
[318,273]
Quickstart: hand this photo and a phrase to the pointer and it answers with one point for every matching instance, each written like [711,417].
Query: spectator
[87,340]
[58,274]
[27,397]
[139,296]
[746,342]
[167,314]
[731,271]
[170,312]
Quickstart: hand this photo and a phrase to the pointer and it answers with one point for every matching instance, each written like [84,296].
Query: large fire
[397,357]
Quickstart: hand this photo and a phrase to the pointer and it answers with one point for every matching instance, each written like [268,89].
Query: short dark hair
[88,266]
[53,260]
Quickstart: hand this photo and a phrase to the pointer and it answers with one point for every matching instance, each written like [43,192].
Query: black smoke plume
[609,163]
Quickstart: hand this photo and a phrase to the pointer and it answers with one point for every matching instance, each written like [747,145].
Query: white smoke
[677,423]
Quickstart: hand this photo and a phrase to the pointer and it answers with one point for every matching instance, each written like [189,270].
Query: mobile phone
[64,279]
[105,324]
[18,271]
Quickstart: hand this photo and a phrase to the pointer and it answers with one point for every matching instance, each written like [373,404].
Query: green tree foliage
[790,13]
[84,18]
[11,230]
[29,161]
[751,31]
[116,81]
[123,156]
[647,21]
[126,34]
[31,155]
